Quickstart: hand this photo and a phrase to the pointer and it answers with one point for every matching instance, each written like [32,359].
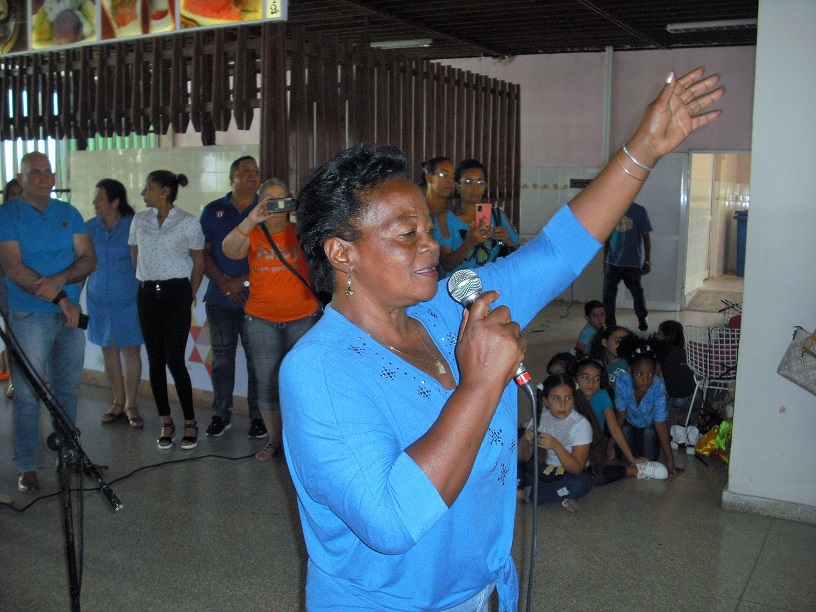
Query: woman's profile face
[441,180]
[472,186]
[102,205]
[14,191]
[152,193]
[394,259]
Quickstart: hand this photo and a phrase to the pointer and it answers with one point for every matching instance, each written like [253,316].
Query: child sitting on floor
[670,347]
[566,437]
[640,400]
[589,379]
[595,315]
[604,350]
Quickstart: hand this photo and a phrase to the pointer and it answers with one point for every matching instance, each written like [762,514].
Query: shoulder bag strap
[291,268]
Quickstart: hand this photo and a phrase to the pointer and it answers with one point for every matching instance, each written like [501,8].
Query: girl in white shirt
[163,240]
[566,436]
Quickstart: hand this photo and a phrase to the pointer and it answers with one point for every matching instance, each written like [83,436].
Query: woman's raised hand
[676,113]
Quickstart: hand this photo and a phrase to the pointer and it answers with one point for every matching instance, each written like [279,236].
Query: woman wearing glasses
[463,242]
[437,180]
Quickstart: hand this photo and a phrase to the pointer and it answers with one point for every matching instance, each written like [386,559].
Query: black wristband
[59,297]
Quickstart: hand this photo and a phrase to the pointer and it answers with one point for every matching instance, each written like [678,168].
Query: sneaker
[652,470]
[643,324]
[217,427]
[27,481]
[257,429]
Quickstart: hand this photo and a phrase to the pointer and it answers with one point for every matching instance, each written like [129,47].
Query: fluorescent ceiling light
[413,43]
[707,26]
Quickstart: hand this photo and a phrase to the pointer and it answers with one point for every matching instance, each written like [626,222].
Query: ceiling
[505,28]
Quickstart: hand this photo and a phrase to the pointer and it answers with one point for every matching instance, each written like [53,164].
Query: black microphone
[465,286]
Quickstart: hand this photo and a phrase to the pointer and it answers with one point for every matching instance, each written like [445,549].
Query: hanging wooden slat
[102,101]
[118,91]
[49,107]
[220,83]
[178,89]
[85,92]
[196,102]
[5,85]
[156,68]
[16,109]
[274,148]
[136,83]
[299,111]
[243,68]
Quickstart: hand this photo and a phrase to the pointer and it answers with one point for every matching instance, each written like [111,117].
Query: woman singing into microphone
[400,443]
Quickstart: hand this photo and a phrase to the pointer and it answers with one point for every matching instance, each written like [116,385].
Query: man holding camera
[46,254]
[227,291]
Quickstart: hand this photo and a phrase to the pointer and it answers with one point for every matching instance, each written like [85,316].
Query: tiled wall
[207,169]
[543,192]
[697,256]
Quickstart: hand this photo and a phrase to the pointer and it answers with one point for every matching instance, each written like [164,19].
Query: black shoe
[217,427]
[643,324]
[257,429]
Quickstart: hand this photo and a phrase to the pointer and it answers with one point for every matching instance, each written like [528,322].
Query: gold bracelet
[627,172]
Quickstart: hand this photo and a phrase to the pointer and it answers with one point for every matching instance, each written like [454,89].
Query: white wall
[773,453]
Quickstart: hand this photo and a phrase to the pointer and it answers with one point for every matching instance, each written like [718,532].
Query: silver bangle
[637,163]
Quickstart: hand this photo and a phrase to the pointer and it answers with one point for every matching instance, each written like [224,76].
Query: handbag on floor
[799,363]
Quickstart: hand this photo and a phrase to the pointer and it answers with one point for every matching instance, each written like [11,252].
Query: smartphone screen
[483,214]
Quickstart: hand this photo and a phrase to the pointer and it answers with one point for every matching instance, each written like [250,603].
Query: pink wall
[562,99]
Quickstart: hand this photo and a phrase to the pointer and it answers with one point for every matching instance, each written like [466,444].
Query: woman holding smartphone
[467,238]
[281,305]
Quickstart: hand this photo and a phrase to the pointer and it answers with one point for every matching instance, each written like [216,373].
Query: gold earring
[348,292]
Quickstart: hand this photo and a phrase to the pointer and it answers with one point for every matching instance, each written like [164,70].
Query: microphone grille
[465,286]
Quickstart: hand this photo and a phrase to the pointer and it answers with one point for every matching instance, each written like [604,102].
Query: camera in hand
[83,321]
[279,205]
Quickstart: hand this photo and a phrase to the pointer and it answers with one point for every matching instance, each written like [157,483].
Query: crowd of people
[400,440]
[141,273]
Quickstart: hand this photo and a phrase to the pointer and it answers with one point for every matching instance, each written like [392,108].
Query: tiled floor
[220,531]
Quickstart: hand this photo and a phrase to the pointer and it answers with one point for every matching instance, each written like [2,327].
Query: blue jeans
[642,441]
[226,326]
[268,343]
[54,351]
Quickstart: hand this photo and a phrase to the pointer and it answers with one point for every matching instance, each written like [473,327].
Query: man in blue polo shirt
[46,254]
[226,293]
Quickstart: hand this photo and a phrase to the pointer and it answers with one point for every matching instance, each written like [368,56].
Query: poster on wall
[60,23]
[125,18]
[13,26]
[33,25]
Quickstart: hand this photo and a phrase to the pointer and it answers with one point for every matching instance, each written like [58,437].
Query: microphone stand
[65,442]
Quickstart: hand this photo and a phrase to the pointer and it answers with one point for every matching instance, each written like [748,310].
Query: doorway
[719,187]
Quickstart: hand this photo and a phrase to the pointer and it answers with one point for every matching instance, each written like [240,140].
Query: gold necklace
[433,360]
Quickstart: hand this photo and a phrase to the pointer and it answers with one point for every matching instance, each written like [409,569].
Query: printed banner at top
[32,25]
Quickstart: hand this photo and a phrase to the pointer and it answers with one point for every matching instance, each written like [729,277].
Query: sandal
[570,505]
[136,422]
[190,442]
[269,451]
[111,416]
[166,442]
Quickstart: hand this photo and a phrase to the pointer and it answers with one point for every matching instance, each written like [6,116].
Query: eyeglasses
[479,182]
[441,174]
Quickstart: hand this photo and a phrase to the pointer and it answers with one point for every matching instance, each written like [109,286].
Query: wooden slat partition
[315,97]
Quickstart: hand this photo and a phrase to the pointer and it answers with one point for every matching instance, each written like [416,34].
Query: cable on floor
[125,477]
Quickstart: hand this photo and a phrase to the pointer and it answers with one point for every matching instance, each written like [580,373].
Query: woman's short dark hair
[635,349]
[332,202]
[114,190]
[430,166]
[468,164]
[165,178]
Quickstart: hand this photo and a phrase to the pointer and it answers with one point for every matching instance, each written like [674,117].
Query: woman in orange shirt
[281,305]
